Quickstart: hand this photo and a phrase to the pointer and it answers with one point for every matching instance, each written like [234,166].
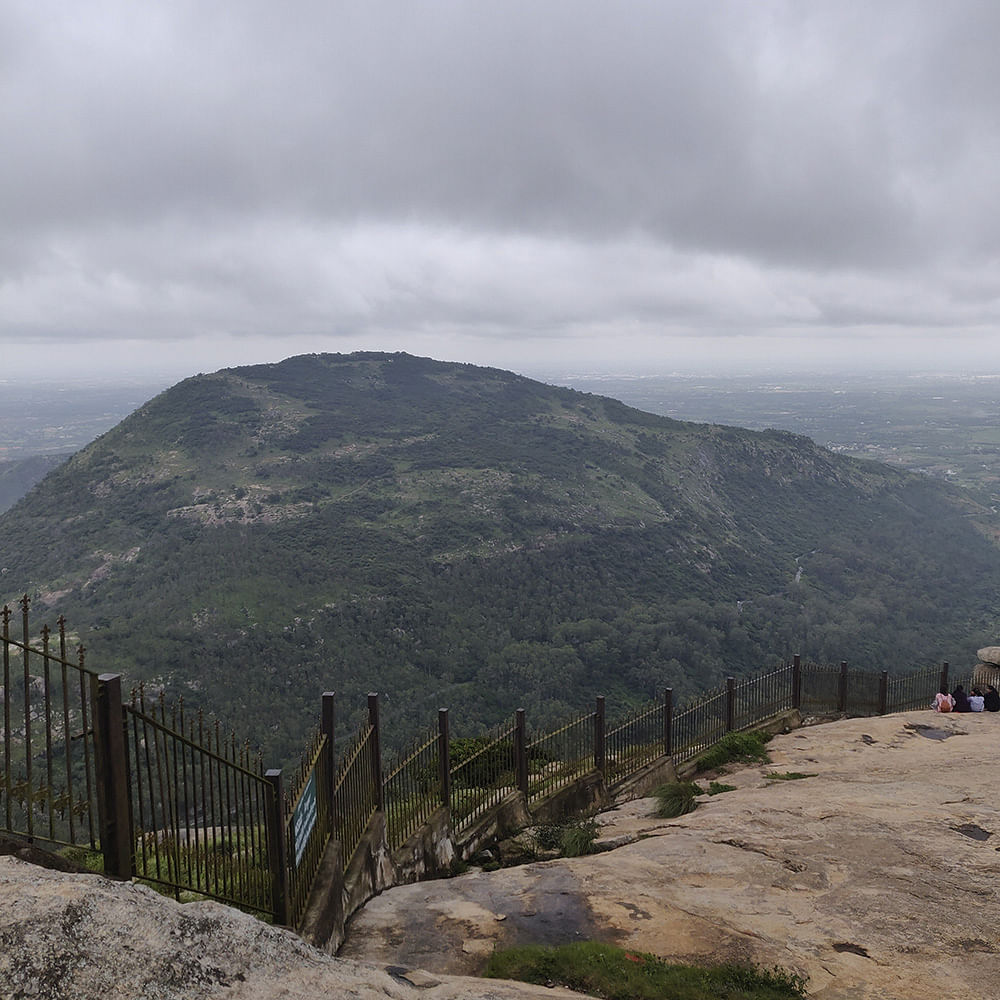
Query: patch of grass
[788,776]
[572,839]
[735,747]
[83,856]
[578,838]
[718,787]
[676,799]
[616,974]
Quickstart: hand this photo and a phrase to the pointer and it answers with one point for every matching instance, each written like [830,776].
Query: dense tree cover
[463,537]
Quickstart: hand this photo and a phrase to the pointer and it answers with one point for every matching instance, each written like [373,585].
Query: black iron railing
[174,801]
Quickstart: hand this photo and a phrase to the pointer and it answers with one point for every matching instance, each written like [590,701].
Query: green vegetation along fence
[172,800]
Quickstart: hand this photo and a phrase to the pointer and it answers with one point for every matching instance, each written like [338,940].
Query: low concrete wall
[509,816]
[643,783]
[584,797]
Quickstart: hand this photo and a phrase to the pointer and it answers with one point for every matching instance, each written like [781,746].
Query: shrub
[743,747]
[676,799]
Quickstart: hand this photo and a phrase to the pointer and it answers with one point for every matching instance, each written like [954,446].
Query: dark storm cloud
[507,169]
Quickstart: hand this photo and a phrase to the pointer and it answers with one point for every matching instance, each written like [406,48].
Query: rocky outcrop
[81,937]
[990,655]
[873,872]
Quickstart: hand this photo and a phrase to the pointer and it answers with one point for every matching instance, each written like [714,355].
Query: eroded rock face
[81,937]
[875,877]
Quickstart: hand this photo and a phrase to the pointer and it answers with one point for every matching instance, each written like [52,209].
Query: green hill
[458,536]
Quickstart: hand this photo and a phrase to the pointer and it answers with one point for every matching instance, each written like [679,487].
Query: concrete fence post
[730,704]
[842,688]
[277,855]
[376,738]
[521,752]
[600,738]
[111,769]
[328,718]
[944,677]
[883,693]
[668,721]
[796,681]
[444,757]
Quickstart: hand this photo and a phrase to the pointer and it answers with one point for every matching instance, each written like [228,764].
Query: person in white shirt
[976,700]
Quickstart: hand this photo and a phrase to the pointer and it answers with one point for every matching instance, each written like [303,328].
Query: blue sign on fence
[304,819]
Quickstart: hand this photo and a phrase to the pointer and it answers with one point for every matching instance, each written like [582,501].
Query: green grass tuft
[616,974]
[788,776]
[718,787]
[578,838]
[745,747]
[676,799]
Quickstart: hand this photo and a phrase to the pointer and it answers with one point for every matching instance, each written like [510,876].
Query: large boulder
[989,654]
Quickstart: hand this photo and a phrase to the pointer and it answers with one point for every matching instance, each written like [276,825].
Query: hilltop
[463,536]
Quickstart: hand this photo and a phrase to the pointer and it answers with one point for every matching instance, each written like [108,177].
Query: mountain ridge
[456,535]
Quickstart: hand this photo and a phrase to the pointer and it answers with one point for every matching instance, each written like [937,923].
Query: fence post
[28,755]
[796,681]
[944,677]
[730,703]
[373,721]
[668,722]
[111,769]
[274,818]
[328,718]
[842,688]
[444,757]
[521,752]
[600,743]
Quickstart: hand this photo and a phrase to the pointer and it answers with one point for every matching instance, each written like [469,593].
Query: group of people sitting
[959,701]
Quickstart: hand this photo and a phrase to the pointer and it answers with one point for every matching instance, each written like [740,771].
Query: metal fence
[308,825]
[49,789]
[199,805]
[557,758]
[356,790]
[412,787]
[639,739]
[176,802]
[484,777]
[699,725]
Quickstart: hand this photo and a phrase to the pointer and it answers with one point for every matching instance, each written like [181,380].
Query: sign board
[304,819]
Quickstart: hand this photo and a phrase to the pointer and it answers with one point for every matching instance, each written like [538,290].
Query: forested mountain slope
[458,536]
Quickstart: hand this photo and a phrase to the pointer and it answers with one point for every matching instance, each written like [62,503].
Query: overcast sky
[619,185]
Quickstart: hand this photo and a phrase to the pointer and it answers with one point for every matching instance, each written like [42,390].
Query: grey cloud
[287,170]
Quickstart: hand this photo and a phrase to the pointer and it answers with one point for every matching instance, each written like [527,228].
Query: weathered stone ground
[877,878]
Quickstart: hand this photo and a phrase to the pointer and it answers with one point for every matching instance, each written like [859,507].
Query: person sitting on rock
[976,700]
[943,702]
[961,699]
[991,700]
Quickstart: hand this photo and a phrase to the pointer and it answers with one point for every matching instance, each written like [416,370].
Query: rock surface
[989,654]
[877,878]
[82,937]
